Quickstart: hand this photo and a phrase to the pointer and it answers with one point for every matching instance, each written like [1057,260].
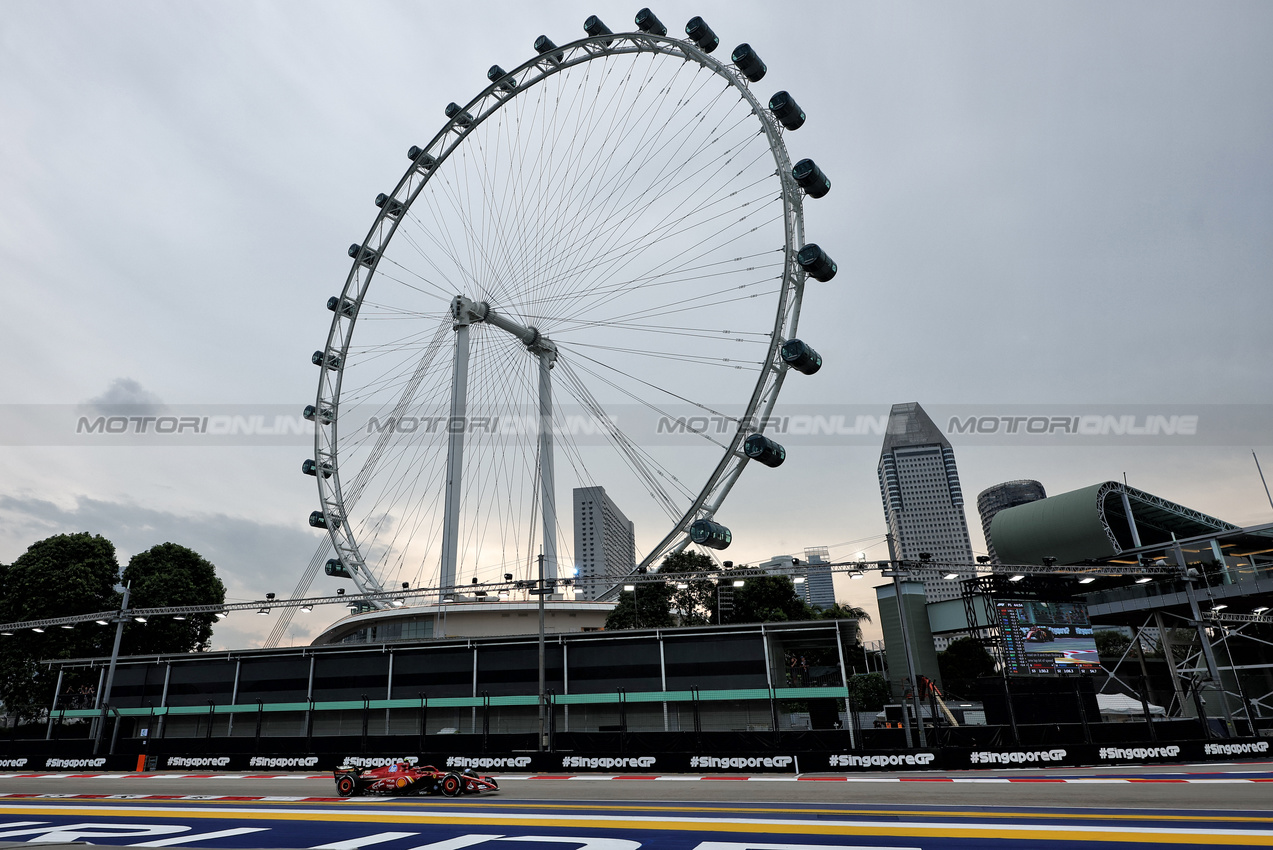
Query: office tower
[1000,497]
[923,503]
[605,542]
[819,591]
[816,589]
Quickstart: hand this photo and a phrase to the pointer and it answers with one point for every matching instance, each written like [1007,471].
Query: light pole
[104,697]
[636,612]
[543,729]
[895,569]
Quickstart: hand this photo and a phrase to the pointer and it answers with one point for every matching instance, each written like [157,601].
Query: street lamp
[636,612]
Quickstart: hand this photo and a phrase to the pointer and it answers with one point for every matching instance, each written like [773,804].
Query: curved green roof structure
[1095,522]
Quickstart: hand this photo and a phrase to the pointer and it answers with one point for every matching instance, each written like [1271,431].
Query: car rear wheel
[346,786]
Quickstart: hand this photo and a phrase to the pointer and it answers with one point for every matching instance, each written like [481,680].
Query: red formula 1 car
[405,780]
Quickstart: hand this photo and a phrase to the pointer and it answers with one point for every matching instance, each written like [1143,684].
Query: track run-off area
[1181,806]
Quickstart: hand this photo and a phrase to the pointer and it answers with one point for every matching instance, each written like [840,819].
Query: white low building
[466,618]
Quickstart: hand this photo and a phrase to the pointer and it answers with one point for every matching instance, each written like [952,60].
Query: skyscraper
[923,503]
[605,542]
[819,590]
[1000,497]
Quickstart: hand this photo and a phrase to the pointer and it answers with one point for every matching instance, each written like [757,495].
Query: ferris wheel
[609,234]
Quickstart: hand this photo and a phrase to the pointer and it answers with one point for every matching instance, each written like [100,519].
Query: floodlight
[140,619]
[1087,580]
[1144,580]
[798,580]
[739,582]
[307,607]
[1220,607]
[102,622]
[950,576]
[38,630]
[264,612]
[1017,577]
[221,615]
[629,587]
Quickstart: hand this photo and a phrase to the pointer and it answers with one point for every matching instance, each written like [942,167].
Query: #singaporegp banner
[565,764]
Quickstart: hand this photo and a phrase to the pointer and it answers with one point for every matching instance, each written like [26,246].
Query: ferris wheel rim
[461,125]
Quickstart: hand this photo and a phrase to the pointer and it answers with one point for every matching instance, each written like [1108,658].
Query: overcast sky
[1047,204]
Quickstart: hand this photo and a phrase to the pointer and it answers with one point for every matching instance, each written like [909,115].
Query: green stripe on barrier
[607,698]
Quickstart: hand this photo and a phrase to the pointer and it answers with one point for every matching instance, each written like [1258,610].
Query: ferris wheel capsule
[811,178]
[816,262]
[713,535]
[760,448]
[311,467]
[786,110]
[362,254]
[751,65]
[648,22]
[422,160]
[342,305]
[317,520]
[496,74]
[800,356]
[390,205]
[331,361]
[702,35]
[458,115]
[313,413]
[594,27]
[336,569]
[544,44]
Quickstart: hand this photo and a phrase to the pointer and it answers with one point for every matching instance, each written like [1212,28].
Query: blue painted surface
[265,825]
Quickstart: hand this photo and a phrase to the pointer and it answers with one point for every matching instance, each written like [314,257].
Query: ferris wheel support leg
[455,459]
[547,485]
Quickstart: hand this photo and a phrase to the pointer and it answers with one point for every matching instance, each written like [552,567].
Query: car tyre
[346,786]
[452,784]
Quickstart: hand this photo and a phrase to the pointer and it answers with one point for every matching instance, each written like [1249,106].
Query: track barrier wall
[833,756]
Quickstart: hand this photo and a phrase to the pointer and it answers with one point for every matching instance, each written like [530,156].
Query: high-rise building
[605,542]
[819,591]
[817,588]
[923,503]
[1000,497]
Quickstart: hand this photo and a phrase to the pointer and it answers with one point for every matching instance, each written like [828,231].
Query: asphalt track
[1181,806]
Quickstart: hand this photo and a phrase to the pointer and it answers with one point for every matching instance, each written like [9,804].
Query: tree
[171,575]
[768,599]
[1111,643]
[647,607]
[962,663]
[59,576]
[694,604]
[869,692]
[840,611]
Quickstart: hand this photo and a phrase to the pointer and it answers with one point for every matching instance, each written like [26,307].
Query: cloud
[125,395]
[252,558]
